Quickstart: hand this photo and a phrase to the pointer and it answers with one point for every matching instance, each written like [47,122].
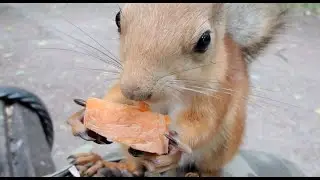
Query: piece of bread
[134,126]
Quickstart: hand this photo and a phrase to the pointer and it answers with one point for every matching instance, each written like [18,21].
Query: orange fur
[157,39]
[212,125]
[216,133]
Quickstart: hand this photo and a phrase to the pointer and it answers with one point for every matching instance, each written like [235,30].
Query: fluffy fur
[156,52]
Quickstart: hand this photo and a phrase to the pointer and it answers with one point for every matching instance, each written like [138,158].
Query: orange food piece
[135,126]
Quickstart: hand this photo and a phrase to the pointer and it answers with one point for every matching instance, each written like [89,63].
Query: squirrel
[189,61]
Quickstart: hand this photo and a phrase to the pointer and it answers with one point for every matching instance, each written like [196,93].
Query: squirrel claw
[84,135]
[80,102]
[102,140]
[175,142]
[135,153]
[71,159]
[99,139]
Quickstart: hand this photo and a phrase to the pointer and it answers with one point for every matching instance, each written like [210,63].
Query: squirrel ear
[254,25]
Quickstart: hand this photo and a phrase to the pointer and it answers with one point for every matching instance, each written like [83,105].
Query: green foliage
[312,7]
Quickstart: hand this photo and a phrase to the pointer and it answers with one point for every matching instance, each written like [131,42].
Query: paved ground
[287,73]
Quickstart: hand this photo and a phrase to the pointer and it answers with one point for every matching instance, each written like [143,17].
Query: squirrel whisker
[94,48]
[75,51]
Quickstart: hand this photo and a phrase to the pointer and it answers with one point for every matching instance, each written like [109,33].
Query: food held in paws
[134,126]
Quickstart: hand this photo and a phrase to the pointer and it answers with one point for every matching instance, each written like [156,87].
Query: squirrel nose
[135,93]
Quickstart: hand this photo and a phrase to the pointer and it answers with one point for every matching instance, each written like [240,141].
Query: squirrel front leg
[76,120]
[195,127]
[81,160]
[213,134]
[191,128]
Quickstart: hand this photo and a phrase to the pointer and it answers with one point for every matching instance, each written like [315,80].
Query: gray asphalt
[283,116]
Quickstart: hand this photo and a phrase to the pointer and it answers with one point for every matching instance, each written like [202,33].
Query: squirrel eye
[203,43]
[117,20]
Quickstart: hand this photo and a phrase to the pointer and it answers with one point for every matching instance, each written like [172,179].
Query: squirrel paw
[113,172]
[91,164]
[78,129]
[158,163]
[192,174]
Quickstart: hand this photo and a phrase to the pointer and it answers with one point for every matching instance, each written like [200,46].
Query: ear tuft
[255,25]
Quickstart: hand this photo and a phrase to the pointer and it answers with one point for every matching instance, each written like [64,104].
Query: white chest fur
[172,109]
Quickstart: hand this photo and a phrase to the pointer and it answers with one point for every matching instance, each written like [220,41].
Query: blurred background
[283,119]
